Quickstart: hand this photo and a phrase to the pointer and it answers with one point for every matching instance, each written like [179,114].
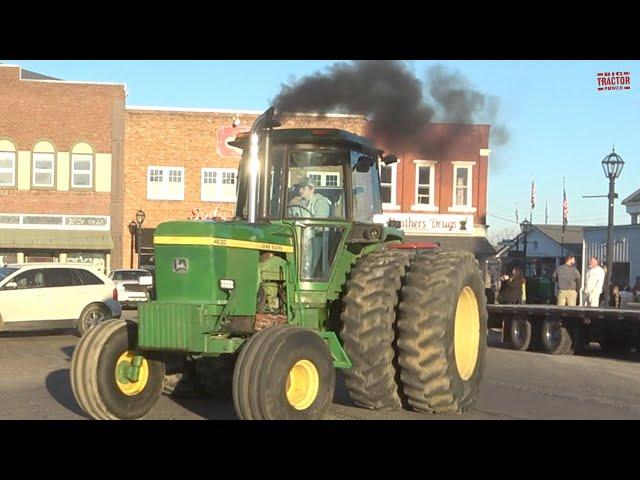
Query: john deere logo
[180,265]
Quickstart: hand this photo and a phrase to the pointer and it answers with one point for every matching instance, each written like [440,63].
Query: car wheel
[91,316]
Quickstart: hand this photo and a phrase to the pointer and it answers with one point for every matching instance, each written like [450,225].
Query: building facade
[61,159]
[441,196]
[626,252]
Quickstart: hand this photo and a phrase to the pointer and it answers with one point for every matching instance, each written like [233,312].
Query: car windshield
[5,272]
[129,275]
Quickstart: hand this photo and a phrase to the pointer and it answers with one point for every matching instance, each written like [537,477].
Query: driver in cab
[311,204]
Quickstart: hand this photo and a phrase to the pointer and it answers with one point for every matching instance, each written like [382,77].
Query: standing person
[568,278]
[511,290]
[615,299]
[594,281]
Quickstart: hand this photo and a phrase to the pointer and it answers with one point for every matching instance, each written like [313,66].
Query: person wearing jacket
[512,286]
[594,281]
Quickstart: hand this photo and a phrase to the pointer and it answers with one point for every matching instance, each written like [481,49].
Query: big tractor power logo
[614,81]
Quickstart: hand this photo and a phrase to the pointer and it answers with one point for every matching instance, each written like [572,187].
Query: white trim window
[425,187]
[81,170]
[325,179]
[218,184]
[7,169]
[388,186]
[165,183]
[43,168]
[462,186]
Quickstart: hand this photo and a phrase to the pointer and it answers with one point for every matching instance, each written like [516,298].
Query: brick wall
[62,113]
[187,139]
[447,143]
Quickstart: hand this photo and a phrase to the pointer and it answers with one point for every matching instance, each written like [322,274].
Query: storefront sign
[55,222]
[225,135]
[422,223]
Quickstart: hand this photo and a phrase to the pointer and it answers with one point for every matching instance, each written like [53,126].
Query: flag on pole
[533,194]
[565,207]
[546,212]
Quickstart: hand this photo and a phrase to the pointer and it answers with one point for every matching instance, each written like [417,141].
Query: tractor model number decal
[222,242]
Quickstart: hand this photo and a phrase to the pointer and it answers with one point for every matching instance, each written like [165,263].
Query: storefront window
[96,259]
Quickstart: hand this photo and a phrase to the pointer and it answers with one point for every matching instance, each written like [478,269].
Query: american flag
[565,208]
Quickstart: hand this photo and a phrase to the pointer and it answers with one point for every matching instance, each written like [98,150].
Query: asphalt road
[34,384]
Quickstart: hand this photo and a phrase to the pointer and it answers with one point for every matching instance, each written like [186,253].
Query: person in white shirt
[594,281]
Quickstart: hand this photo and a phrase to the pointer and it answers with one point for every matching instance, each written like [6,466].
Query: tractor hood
[193,256]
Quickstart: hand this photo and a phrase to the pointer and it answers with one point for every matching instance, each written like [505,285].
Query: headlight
[227,284]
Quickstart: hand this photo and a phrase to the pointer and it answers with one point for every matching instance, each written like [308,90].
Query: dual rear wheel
[415,329]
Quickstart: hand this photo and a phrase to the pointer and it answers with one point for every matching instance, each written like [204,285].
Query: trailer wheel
[369,329]
[520,333]
[442,325]
[283,373]
[97,373]
[555,337]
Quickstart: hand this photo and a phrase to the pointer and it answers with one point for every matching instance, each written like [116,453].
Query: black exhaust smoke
[394,99]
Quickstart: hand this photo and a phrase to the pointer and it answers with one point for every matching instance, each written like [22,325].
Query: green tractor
[302,281]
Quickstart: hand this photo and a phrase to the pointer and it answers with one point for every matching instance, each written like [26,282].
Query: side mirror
[146,280]
[364,164]
[11,286]
[389,159]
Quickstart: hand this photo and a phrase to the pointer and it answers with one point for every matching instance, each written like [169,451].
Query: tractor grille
[169,326]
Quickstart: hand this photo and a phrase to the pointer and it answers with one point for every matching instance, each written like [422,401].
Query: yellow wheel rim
[303,383]
[467,333]
[132,388]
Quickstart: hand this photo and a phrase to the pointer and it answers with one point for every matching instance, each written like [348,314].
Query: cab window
[315,184]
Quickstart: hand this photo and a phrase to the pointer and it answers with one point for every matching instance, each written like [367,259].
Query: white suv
[45,295]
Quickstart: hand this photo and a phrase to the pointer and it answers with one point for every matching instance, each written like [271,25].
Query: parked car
[37,296]
[134,286]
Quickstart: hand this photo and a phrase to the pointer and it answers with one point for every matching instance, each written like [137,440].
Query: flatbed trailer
[560,330]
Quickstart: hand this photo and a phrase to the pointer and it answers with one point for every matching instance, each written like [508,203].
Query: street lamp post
[133,228]
[612,166]
[526,228]
[140,216]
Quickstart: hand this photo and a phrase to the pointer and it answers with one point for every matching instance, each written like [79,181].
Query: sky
[559,124]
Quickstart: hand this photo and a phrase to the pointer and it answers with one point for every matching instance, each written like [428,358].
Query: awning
[56,239]
[476,245]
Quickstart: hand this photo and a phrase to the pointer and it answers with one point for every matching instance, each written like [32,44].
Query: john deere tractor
[302,281]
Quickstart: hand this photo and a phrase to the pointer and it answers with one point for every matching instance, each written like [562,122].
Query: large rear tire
[443,328]
[97,386]
[283,373]
[369,329]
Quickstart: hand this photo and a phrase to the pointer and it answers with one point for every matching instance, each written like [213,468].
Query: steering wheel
[300,207]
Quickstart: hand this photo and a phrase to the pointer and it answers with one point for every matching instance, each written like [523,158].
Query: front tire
[443,328]
[283,373]
[96,381]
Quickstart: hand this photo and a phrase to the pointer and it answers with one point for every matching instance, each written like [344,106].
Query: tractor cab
[324,183]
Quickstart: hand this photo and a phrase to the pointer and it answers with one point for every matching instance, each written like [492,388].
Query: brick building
[61,157]
[441,195]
